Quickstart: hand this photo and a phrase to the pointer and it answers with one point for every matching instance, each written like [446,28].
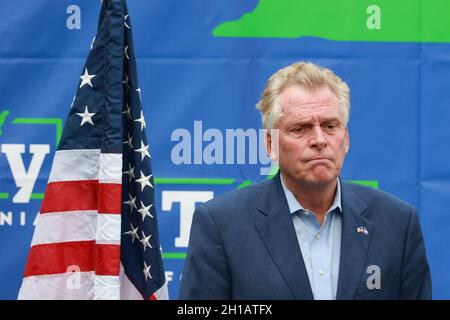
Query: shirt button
[321,272]
[318,237]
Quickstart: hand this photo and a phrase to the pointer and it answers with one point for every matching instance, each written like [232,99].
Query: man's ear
[271,143]
[347,140]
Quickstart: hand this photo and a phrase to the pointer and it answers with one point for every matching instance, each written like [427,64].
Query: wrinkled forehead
[301,102]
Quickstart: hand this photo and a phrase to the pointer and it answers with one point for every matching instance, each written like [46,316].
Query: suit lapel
[274,225]
[354,244]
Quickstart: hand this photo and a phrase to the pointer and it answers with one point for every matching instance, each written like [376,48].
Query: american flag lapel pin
[362,230]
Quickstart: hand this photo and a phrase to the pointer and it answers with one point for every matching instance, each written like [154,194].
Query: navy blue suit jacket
[243,245]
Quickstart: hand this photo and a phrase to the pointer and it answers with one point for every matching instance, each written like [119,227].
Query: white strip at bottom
[63,286]
[107,288]
[70,286]
[127,289]
[163,292]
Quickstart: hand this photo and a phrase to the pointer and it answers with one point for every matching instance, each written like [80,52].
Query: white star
[130,172]
[125,22]
[131,202]
[145,211]
[86,78]
[128,112]
[143,151]
[126,52]
[147,271]
[86,116]
[144,181]
[126,83]
[92,43]
[129,142]
[141,120]
[146,241]
[138,90]
[133,233]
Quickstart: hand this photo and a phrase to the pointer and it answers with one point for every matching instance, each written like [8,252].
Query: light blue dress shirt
[320,244]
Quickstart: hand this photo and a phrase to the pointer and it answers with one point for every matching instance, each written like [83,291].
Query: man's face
[313,138]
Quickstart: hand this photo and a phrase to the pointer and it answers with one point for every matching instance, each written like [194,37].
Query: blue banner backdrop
[192,81]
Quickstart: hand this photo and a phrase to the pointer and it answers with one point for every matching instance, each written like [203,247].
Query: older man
[306,234]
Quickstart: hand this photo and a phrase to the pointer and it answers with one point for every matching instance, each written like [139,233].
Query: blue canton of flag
[97,233]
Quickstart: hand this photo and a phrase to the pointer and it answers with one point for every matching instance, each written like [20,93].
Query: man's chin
[320,180]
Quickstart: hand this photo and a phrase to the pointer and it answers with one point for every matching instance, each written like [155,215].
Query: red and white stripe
[75,251]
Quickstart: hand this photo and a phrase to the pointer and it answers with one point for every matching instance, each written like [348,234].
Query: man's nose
[318,138]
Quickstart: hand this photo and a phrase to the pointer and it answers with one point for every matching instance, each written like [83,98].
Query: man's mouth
[319,159]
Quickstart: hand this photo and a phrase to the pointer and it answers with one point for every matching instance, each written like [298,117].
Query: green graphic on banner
[174,255]
[3,116]
[349,20]
[55,121]
[367,183]
[37,196]
[194,181]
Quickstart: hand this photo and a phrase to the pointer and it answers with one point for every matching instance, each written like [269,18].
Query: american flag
[97,235]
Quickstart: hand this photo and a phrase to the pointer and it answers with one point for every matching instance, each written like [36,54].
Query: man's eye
[297,129]
[331,126]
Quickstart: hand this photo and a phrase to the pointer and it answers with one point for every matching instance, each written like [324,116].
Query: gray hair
[307,75]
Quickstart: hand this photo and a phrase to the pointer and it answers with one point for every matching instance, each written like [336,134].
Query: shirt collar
[295,206]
